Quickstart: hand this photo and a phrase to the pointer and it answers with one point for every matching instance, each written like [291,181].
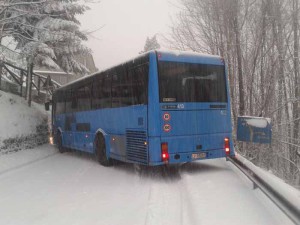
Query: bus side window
[101,92]
[115,86]
[60,103]
[121,88]
[84,98]
[96,97]
[106,92]
[74,94]
[140,84]
[68,101]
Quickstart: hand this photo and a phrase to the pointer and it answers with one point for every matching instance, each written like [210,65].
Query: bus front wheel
[100,151]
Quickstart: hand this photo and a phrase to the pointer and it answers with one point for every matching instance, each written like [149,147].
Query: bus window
[139,77]
[68,101]
[121,89]
[101,92]
[84,98]
[188,82]
[60,103]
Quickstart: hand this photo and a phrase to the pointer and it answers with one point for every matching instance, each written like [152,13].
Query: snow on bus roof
[159,51]
[187,53]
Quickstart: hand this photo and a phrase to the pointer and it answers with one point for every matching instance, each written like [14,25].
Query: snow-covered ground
[42,186]
[20,159]
[16,118]
[73,188]
[21,127]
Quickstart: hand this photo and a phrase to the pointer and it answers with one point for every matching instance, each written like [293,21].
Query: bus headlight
[51,140]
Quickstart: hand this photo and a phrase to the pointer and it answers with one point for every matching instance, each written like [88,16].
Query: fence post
[39,85]
[21,83]
[29,82]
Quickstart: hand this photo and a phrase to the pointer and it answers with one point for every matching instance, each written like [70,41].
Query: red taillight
[227,146]
[164,152]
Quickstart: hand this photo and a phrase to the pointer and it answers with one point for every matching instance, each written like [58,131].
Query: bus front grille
[136,146]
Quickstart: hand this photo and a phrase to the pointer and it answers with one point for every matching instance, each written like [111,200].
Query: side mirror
[47,106]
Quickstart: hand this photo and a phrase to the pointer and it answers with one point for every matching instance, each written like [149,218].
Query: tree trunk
[240,68]
[1,71]
[296,113]
[263,36]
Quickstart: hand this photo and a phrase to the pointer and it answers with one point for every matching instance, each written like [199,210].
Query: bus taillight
[164,152]
[227,146]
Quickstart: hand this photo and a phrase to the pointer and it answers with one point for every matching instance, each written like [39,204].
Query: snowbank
[16,118]
[10,162]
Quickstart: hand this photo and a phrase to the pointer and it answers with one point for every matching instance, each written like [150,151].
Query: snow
[16,118]
[20,159]
[72,188]
[42,186]
[289,192]
[257,122]
[179,53]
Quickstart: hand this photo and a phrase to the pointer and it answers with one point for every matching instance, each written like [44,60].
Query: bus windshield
[189,82]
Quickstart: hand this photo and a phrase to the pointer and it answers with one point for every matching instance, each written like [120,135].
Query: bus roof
[162,55]
[191,57]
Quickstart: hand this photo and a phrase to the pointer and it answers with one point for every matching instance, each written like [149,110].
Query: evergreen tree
[151,44]
[48,33]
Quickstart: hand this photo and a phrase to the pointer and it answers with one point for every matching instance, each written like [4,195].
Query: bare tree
[260,43]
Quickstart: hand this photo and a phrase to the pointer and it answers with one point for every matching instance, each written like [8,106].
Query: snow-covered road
[73,189]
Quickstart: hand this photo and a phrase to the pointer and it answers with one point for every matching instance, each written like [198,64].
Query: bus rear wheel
[100,151]
[60,147]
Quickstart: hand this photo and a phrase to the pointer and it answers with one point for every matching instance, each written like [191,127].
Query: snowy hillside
[17,120]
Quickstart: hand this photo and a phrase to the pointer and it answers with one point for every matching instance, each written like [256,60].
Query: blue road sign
[254,129]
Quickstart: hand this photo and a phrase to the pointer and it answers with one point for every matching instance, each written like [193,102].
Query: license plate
[201,155]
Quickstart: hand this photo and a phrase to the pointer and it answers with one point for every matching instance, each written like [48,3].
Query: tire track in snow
[164,205]
[170,203]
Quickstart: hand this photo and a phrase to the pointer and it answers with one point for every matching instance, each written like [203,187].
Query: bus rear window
[189,82]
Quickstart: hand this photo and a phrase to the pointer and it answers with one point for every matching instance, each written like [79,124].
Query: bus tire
[100,151]
[60,147]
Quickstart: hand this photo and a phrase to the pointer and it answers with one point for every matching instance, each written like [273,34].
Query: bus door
[70,123]
[82,126]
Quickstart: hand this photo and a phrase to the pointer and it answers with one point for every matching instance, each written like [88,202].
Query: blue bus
[162,107]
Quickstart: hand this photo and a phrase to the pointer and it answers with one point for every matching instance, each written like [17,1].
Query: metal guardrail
[285,206]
